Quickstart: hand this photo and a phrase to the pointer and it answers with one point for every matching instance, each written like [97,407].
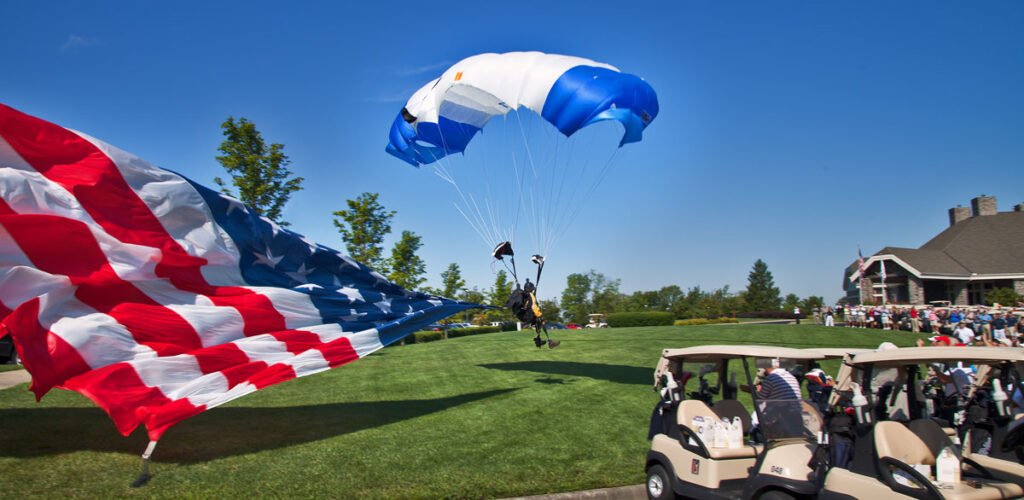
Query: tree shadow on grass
[218,433]
[621,374]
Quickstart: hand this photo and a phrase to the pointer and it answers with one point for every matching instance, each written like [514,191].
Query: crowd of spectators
[954,325]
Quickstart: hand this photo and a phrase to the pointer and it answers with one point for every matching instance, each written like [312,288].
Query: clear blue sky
[788,131]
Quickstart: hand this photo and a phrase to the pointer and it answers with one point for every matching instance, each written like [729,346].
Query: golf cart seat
[730,408]
[695,408]
[896,442]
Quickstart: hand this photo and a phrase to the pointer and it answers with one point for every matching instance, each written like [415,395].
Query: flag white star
[299,274]
[352,293]
[267,259]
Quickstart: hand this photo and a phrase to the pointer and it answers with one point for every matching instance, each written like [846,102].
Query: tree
[451,280]
[605,296]
[761,294]
[1002,296]
[259,172]
[363,227]
[497,296]
[405,267]
[575,298]
[550,310]
[791,301]
[473,296]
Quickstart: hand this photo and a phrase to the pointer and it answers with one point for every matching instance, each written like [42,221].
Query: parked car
[573,326]
[8,354]
[555,326]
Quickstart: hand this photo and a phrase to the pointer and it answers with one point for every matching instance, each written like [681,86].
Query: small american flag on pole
[159,298]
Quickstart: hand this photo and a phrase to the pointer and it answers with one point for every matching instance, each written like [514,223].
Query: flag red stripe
[119,390]
[83,170]
[79,257]
[338,352]
[45,355]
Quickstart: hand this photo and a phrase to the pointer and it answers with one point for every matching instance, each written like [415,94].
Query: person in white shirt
[965,334]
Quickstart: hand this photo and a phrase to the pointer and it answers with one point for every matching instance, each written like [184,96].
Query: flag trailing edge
[159,298]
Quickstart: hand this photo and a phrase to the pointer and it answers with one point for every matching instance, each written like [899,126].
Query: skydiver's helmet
[529,287]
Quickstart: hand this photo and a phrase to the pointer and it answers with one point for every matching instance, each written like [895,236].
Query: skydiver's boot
[553,344]
[537,340]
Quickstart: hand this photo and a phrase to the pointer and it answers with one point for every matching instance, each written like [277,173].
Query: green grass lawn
[9,367]
[485,416]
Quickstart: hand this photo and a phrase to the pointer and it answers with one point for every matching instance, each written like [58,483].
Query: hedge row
[768,314]
[705,321]
[430,336]
[619,320]
[473,330]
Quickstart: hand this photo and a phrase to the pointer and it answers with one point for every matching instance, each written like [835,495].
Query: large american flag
[159,298]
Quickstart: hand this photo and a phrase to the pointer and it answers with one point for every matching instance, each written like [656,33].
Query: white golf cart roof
[939,354]
[839,352]
[715,353]
[708,353]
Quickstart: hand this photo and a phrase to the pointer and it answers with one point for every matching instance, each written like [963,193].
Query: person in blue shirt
[985,320]
[954,318]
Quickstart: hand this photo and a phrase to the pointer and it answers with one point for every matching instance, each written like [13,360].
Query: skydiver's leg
[537,340]
[551,343]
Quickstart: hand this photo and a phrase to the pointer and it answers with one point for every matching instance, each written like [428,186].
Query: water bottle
[999,397]
[860,404]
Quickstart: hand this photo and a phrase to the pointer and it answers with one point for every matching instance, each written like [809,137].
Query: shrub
[705,321]
[619,320]
[423,337]
[473,330]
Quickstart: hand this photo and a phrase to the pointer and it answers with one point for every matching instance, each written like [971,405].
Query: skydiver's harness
[523,300]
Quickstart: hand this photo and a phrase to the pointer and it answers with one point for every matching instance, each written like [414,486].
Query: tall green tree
[576,298]
[761,294]
[451,280]
[405,268]
[497,296]
[791,301]
[605,296]
[259,172]
[363,227]
[549,308]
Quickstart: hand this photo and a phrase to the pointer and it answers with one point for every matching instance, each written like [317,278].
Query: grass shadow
[621,374]
[218,433]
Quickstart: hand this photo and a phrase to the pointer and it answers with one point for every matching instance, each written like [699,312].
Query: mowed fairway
[485,416]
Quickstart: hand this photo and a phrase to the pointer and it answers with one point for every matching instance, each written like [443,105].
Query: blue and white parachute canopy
[569,92]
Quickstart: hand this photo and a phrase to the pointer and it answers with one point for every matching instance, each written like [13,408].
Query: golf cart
[690,457]
[904,423]
[597,321]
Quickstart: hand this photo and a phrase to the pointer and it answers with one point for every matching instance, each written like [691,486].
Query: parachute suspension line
[478,225]
[589,193]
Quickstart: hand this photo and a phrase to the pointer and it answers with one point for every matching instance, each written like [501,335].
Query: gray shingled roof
[989,244]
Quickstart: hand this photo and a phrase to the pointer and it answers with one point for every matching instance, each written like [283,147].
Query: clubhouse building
[981,250]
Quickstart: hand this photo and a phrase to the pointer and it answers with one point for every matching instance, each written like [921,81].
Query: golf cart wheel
[776,495]
[659,485]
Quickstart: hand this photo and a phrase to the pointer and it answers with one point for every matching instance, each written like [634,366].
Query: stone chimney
[958,214]
[983,205]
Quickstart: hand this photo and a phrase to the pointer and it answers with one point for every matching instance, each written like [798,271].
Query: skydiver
[523,301]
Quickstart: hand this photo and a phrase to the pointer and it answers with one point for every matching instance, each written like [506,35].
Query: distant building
[981,250]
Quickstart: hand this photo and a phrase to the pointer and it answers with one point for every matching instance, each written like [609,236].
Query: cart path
[637,492]
[13,378]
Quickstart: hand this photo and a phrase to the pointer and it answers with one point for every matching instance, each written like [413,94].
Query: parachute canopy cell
[569,92]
